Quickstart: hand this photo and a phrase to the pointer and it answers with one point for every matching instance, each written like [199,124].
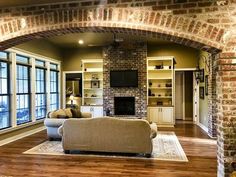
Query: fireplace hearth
[124,105]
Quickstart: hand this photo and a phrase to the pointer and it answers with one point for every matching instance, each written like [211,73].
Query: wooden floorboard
[199,148]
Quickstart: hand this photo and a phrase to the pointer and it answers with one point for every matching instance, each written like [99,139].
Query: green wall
[72,57]
[185,57]
[41,47]
[203,103]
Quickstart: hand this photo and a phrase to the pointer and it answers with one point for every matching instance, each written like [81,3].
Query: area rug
[166,147]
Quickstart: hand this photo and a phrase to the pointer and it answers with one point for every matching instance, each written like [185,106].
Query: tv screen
[124,78]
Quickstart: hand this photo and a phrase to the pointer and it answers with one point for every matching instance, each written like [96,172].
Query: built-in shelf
[161,88]
[93,97]
[161,84]
[160,97]
[89,80]
[93,88]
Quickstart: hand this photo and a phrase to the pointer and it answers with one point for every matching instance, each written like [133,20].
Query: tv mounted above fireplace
[124,78]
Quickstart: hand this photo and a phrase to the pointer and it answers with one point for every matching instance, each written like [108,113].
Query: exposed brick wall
[126,59]
[226,111]
[212,117]
[183,23]
[203,24]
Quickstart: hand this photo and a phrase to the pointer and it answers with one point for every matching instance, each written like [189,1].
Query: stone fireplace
[124,105]
[119,58]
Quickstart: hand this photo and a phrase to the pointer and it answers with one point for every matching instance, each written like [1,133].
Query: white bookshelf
[92,96]
[160,85]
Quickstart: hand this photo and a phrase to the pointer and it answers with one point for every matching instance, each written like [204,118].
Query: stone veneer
[117,58]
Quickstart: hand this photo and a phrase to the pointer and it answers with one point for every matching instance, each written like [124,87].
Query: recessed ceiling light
[81,42]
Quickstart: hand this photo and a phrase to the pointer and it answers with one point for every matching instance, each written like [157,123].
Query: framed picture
[95,84]
[201,75]
[201,92]
[206,85]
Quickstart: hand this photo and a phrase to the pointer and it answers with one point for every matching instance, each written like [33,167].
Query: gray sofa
[108,134]
[52,123]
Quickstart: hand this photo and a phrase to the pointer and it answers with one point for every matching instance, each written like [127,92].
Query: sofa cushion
[76,113]
[61,114]
[54,122]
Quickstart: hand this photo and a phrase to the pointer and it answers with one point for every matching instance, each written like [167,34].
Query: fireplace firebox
[124,105]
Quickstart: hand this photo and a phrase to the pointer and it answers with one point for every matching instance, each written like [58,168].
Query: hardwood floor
[200,150]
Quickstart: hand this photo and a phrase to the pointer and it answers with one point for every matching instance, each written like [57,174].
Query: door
[167,115]
[179,96]
[195,100]
[153,114]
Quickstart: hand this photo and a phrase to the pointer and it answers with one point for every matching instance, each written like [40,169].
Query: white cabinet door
[85,109]
[97,111]
[167,115]
[153,114]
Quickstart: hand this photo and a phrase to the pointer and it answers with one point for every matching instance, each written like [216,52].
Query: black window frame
[29,89]
[41,93]
[57,90]
[8,94]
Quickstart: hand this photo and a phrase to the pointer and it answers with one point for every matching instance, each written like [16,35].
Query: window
[4,91]
[23,90]
[41,105]
[54,91]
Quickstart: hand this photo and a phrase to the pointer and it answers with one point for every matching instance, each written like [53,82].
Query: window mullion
[33,90]
[48,85]
[13,89]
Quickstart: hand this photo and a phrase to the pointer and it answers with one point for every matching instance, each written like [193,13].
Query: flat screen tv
[124,78]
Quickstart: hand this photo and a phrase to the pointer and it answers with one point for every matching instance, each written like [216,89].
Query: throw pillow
[76,113]
[68,112]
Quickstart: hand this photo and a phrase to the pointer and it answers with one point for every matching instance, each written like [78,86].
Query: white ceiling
[97,39]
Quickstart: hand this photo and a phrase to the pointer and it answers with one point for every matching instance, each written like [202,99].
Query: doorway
[184,95]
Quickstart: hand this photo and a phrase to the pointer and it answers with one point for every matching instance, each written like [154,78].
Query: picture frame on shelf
[201,92]
[206,85]
[95,84]
[201,75]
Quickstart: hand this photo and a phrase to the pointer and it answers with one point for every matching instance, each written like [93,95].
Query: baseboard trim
[22,135]
[203,127]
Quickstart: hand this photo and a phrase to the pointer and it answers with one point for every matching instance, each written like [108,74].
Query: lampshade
[71,97]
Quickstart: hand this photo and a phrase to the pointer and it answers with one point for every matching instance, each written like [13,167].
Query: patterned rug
[166,147]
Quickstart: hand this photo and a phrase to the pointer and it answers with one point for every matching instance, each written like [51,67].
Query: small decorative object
[149,92]
[159,95]
[159,85]
[206,85]
[94,77]
[201,75]
[108,112]
[169,67]
[159,103]
[168,85]
[95,84]
[85,69]
[93,95]
[153,94]
[201,92]
[150,84]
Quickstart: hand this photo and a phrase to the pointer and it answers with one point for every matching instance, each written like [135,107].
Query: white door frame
[195,101]
[64,85]
[188,69]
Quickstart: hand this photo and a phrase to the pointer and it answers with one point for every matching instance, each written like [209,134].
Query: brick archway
[31,23]
[178,29]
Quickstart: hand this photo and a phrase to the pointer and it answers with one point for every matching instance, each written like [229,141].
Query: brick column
[226,111]
[212,114]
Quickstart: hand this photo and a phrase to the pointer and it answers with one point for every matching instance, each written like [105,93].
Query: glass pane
[23,109]
[4,55]
[39,63]
[22,59]
[53,66]
[22,77]
[4,112]
[54,102]
[40,80]
[3,78]
[40,106]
